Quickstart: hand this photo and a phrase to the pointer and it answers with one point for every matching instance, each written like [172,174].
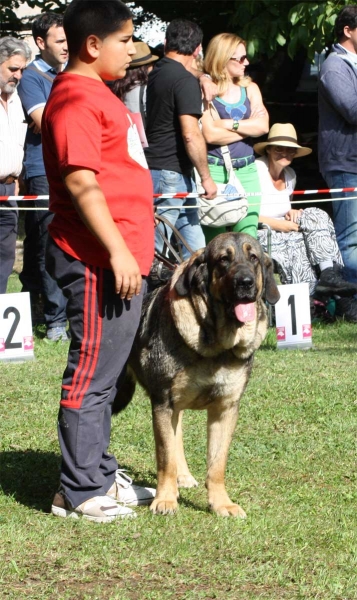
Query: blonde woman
[243,117]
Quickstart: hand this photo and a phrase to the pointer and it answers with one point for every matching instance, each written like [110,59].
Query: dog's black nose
[244,280]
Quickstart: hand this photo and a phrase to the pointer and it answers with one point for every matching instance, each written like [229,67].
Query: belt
[237,163]
[7,180]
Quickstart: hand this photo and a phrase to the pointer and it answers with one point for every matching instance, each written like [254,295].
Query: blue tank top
[240,110]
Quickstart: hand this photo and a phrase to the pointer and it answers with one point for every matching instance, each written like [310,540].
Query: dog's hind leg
[165,424]
[184,477]
[220,428]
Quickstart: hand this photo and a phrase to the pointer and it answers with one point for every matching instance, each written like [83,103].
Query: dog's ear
[193,276]
[270,289]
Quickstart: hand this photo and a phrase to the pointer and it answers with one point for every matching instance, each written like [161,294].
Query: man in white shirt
[14,54]
[48,304]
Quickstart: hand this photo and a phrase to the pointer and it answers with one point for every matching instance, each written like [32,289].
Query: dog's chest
[196,386]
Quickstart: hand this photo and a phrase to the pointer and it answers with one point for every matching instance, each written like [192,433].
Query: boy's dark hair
[183,37]
[43,22]
[347,17]
[92,17]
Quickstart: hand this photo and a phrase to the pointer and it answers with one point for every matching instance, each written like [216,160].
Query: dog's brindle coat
[194,349]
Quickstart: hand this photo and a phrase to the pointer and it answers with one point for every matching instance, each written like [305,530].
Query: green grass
[292,467]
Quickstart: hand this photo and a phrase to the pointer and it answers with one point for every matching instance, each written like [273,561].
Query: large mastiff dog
[194,349]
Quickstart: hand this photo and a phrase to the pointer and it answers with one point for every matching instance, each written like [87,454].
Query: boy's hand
[127,274]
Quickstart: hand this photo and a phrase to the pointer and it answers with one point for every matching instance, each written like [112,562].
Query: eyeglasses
[284,150]
[239,59]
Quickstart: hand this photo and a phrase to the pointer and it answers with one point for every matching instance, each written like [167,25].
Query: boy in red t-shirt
[100,246]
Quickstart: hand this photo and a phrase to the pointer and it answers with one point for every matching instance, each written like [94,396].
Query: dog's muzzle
[243,296]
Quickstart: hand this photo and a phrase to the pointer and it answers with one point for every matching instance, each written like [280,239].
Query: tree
[266,24]
[280,34]
[11,24]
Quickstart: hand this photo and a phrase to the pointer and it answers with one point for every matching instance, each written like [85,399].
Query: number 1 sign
[293,317]
[16,341]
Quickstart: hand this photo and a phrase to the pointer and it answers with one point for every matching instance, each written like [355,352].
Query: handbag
[230,205]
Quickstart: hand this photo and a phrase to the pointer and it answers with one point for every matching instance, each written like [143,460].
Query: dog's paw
[163,507]
[229,510]
[186,481]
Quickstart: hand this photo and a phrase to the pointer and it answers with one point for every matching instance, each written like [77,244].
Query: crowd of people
[87,258]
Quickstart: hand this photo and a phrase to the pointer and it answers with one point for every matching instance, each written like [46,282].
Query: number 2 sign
[16,340]
[293,317]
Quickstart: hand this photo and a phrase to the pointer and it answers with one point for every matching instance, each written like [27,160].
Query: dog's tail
[126,389]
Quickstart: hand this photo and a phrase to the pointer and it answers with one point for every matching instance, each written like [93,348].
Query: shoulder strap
[33,68]
[141,104]
[214,112]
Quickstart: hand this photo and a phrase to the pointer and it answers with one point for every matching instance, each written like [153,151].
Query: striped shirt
[12,136]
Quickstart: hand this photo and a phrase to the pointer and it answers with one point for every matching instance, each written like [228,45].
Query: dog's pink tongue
[245,312]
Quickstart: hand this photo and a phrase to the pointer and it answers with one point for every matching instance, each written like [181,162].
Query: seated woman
[303,241]
[242,116]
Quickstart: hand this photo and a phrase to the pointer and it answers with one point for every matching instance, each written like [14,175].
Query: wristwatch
[235,125]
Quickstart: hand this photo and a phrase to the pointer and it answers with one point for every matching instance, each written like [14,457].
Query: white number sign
[293,317]
[16,340]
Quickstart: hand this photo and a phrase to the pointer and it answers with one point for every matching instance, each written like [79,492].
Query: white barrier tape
[195,195]
[175,206]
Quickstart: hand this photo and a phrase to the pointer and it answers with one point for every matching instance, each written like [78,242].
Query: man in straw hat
[303,241]
[338,141]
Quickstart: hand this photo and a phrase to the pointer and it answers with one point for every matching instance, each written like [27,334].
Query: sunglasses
[240,59]
[284,150]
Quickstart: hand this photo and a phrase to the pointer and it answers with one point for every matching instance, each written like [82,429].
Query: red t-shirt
[86,125]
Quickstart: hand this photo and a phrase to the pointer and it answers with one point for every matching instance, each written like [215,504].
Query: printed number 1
[291,303]
[9,344]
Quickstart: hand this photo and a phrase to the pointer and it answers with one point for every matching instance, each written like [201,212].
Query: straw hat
[282,134]
[143,55]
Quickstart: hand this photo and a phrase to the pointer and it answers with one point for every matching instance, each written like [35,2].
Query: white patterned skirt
[298,253]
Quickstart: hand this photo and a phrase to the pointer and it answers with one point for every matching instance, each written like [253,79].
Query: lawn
[292,467]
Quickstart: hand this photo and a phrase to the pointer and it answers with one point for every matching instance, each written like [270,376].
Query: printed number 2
[291,303]
[9,344]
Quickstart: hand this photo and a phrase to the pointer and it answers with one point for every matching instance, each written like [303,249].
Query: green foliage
[267,25]
[312,26]
[11,24]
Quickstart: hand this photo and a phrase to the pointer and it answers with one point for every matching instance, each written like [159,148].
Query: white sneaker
[124,491]
[100,509]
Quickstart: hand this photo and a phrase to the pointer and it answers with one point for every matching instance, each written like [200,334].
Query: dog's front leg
[220,428]
[184,477]
[165,424]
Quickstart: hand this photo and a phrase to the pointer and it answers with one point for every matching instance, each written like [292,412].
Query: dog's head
[234,272]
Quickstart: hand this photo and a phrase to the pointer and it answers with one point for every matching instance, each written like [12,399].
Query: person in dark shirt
[176,144]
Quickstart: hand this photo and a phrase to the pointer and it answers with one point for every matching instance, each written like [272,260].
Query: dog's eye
[223,259]
[253,258]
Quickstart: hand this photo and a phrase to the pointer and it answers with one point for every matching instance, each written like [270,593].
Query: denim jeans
[345,220]
[34,277]
[183,218]
[8,234]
